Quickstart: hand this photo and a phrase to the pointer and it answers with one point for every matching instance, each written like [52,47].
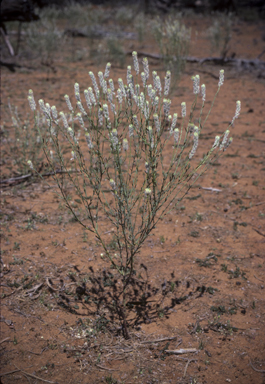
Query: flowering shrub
[130,157]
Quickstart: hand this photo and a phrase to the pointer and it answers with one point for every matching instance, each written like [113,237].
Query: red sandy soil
[50,335]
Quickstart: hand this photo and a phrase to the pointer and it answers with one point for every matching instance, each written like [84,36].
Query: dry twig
[181,351]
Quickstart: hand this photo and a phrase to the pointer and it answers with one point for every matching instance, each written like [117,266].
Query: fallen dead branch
[181,351]
[9,372]
[186,366]
[21,179]
[105,369]
[247,63]
[159,340]
[33,376]
[6,339]
[260,233]
[211,189]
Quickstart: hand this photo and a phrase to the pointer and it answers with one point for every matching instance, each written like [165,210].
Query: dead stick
[260,233]
[186,367]
[9,373]
[181,351]
[211,189]
[158,340]
[107,369]
[36,377]
[2,341]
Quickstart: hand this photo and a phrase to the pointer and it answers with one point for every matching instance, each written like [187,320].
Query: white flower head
[176,135]
[80,119]
[100,117]
[167,83]
[88,101]
[216,142]
[143,76]
[221,78]
[146,67]
[135,62]
[157,122]
[68,103]
[203,91]
[94,83]
[174,122]
[31,100]
[224,141]
[238,108]
[77,92]
[195,145]
[166,106]
[111,84]
[88,140]
[106,111]
[107,70]
[196,84]
[80,106]
[54,112]
[64,119]
[183,109]
[91,95]
[135,121]
[157,84]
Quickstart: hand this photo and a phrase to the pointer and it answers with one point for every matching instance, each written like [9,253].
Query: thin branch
[211,189]
[186,367]
[22,178]
[158,340]
[9,372]
[35,377]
